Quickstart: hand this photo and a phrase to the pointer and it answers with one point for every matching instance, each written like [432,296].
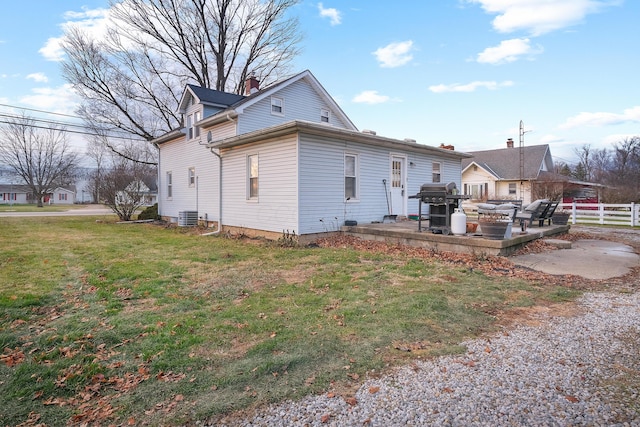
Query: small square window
[277,106]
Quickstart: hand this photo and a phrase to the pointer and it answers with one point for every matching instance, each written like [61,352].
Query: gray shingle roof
[215,97]
[504,163]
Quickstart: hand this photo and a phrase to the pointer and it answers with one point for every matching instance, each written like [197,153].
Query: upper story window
[324,116]
[436,171]
[193,131]
[277,106]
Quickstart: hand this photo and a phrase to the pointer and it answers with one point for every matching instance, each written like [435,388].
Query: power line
[57,123]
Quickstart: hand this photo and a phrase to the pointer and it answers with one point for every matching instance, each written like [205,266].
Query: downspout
[219,228]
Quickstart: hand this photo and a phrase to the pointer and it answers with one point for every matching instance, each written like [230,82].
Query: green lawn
[142,324]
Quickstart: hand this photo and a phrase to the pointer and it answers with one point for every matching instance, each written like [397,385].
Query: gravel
[582,370]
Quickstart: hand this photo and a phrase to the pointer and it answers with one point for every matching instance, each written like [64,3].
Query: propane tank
[458,223]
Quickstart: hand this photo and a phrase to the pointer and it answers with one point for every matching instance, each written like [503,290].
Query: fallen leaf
[572,399]
[325,418]
[374,390]
[351,401]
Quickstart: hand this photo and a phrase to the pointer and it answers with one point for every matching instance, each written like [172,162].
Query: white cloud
[508,51]
[540,16]
[38,77]
[370,97]
[602,118]
[92,22]
[394,54]
[59,100]
[334,15]
[469,87]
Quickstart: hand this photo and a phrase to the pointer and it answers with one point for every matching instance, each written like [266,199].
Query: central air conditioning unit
[187,218]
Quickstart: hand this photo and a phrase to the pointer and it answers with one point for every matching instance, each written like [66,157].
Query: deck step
[559,243]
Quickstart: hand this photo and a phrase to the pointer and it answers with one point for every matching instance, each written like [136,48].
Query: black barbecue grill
[442,199]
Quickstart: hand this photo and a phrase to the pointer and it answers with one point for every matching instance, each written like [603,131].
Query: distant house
[145,189]
[15,194]
[506,173]
[65,195]
[287,158]
[520,174]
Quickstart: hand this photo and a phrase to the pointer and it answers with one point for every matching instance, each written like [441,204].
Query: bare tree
[586,162]
[132,80]
[42,158]
[125,186]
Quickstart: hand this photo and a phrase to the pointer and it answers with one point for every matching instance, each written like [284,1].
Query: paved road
[88,210]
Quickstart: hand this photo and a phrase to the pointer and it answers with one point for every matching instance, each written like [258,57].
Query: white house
[506,173]
[12,194]
[63,195]
[287,157]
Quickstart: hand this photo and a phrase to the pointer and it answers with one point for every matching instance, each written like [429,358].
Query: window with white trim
[350,176]
[277,106]
[512,188]
[192,177]
[190,126]
[436,172]
[324,116]
[169,185]
[196,129]
[252,176]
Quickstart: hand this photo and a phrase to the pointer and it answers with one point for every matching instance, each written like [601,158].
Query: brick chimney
[447,147]
[510,143]
[252,85]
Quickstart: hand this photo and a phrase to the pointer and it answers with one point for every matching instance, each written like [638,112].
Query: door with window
[397,191]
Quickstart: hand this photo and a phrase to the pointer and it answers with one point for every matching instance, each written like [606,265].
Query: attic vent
[369,132]
[409,140]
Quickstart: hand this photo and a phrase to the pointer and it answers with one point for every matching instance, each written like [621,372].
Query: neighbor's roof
[504,163]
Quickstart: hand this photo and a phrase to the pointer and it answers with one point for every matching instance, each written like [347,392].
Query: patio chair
[547,216]
[536,211]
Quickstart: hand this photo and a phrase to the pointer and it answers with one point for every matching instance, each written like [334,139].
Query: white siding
[301,102]
[178,156]
[322,204]
[276,208]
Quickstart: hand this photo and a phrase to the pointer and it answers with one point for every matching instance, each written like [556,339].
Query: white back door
[397,193]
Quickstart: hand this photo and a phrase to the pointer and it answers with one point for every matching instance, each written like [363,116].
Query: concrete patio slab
[592,259]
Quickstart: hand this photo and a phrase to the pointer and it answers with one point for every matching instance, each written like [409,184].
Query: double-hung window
[324,116]
[169,185]
[277,106]
[252,176]
[192,177]
[436,172]
[512,188]
[350,176]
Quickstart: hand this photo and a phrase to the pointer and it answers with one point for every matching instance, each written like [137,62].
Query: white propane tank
[458,223]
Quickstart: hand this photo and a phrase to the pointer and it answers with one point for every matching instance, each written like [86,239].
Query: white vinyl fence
[603,214]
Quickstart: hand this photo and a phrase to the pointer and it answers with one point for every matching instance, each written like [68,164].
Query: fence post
[601,212]
[633,214]
[574,214]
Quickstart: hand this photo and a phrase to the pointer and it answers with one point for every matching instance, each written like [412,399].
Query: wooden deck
[406,233]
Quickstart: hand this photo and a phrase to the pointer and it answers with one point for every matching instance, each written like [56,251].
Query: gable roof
[246,101]
[504,163]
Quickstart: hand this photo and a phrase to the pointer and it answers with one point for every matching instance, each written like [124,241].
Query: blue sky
[459,72]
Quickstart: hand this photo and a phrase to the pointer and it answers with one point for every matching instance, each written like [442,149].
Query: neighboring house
[286,158]
[146,189]
[507,173]
[65,195]
[11,194]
